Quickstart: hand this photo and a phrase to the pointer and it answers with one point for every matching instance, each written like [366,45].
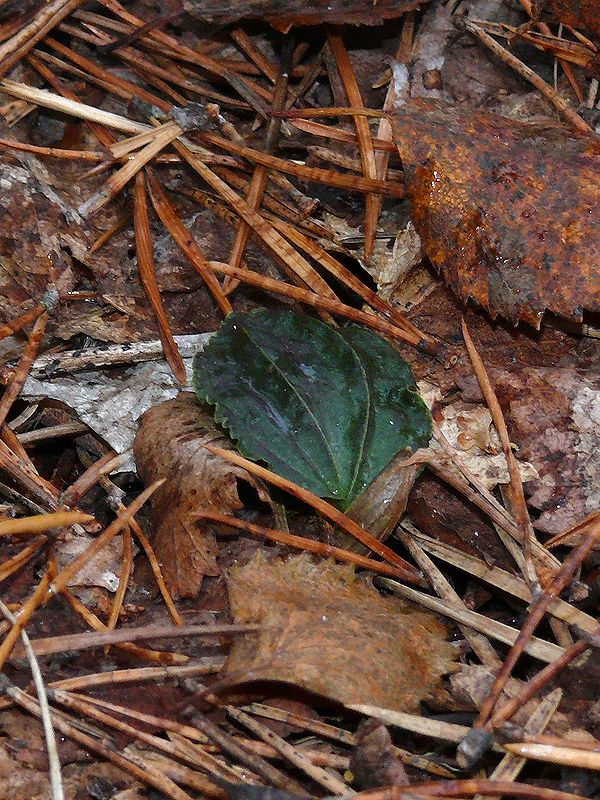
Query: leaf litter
[288,207]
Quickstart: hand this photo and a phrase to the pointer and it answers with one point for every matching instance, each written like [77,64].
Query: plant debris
[171,444]
[466,173]
[313,616]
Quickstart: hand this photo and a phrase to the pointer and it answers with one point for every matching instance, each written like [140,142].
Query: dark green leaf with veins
[325,407]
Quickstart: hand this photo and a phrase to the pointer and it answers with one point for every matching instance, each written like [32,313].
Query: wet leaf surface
[170,444]
[327,408]
[314,615]
[506,211]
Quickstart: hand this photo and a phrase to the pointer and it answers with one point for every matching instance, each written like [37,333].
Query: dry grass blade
[468,787]
[185,242]
[511,765]
[363,133]
[518,502]
[54,769]
[302,543]
[41,523]
[245,43]
[145,257]
[123,581]
[479,643]
[21,558]
[324,508]
[204,666]
[39,488]
[48,17]
[23,616]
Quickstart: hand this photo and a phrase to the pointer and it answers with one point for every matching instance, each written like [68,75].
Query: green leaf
[325,407]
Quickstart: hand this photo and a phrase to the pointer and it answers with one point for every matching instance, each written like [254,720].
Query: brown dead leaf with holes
[506,211]
[170,444]
[325,630]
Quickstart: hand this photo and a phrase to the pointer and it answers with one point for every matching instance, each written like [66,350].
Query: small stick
[41,523]
[145,257]
[202,666]
[565,755]
[85,641]
[324,508]
[21,558]
[53,432]
[9,328]
[326,778]
[84,483]
[363,133]
[41,489]
[300,542]
[52,152]
[458,788]
[245,43]
[56,785]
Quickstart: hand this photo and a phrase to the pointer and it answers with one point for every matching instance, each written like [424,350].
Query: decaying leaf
[327,408]
[374,761]
[285,13]
[170,444]
[101,570]
[506,211]
[326,631]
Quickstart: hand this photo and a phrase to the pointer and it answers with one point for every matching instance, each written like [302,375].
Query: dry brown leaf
[326,631]
[506,211]
[170,444]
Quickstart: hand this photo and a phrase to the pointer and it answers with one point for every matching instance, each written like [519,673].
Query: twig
[203,666]
[22,370]
[553,754]
[85,641]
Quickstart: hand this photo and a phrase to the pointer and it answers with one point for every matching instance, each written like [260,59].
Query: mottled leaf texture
[327,408]
[285,13]
[326,631]
[170,444]
[507,211]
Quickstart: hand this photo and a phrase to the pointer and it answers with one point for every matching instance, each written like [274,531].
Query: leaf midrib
[338,490]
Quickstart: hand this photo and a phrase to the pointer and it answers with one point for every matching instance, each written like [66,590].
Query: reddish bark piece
[170,443]
[326,631]
[282,14]
[506,211]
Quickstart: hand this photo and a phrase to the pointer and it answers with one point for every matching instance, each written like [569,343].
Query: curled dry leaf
[374,761]
[506,211]
[313,617]
[170,444]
